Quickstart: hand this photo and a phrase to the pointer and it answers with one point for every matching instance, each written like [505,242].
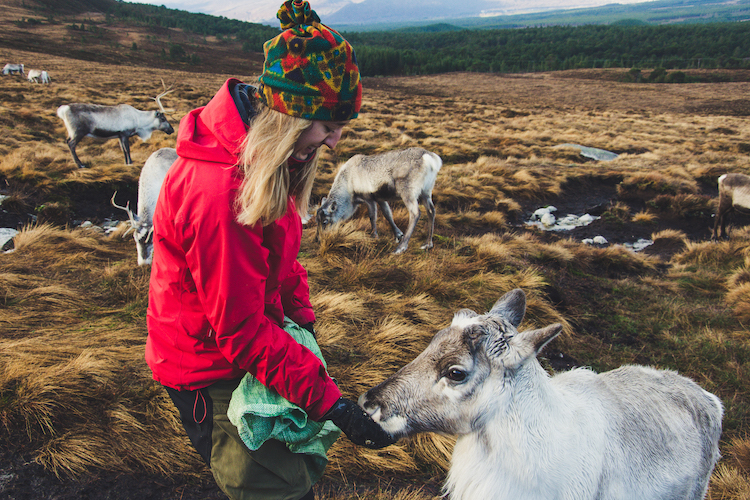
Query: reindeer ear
[541,337]
[511,306]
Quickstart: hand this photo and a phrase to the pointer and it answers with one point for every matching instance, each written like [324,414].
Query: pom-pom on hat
[310,70]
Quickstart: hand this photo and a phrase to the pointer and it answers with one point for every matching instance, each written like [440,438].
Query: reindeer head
[164,125]
[144,242]
[143,232]
[466,373]
[325,216]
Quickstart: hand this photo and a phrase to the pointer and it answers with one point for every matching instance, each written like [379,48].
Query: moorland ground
[82,419]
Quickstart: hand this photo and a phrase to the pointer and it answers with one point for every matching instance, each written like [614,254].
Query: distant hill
[155,36]
[71,7]
[137,34]
[397,14]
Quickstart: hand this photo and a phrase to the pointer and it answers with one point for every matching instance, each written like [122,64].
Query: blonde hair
[267,182]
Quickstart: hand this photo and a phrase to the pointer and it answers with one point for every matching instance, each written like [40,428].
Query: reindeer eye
[456,375]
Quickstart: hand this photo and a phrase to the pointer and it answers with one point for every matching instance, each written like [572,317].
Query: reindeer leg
[722,211]
[72,143]
[389,217]
[372,210]
[724,219]
[719,218]
[413,207]
[125,146]
[430,209]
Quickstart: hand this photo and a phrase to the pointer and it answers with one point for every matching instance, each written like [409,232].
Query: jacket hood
[215,131]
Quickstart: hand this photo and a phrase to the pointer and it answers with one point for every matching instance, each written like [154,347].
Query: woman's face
[316,135]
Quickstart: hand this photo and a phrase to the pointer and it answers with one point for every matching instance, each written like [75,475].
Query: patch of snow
[596,240]
[540,212]
[543,219]
[6,234]
[639,245]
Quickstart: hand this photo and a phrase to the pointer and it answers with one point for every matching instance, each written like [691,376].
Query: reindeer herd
[631,433]
[34,76]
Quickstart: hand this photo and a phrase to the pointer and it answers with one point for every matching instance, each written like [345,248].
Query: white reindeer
[734,193]
[409,174]
[149,185]
[37,76]
[10,69]
[634,433]
[106,122]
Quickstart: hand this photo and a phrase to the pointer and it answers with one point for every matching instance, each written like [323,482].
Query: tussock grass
[738,295]
[708,256]
[644,217]
[76,395]
[728,482]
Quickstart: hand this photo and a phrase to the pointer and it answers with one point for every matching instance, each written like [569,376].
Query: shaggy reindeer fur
[149,185]
[38,76]
[734,193]
[10,69]
[106,122]
[631,433]
[408,174]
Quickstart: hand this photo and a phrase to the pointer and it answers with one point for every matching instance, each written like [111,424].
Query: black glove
[309,328]
[357,425]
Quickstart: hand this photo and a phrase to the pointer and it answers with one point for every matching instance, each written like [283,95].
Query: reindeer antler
[158,97]
[131,216]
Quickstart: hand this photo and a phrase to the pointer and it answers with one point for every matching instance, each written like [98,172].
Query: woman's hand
[357,425]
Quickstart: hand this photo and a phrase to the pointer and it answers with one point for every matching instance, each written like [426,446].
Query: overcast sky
[259,11]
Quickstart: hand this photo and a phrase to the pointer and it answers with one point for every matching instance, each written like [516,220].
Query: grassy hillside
[81,416]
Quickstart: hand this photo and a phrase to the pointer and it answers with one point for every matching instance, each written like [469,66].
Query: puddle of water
[593,153]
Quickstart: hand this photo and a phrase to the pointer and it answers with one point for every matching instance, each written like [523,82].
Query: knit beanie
[310,70]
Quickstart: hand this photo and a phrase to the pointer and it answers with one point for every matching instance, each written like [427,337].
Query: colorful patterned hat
[310,69]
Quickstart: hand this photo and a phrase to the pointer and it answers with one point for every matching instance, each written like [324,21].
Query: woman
[227,231]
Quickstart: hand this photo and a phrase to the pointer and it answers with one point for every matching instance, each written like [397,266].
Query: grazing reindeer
[631,433]
[734,193]
[149,185]
[409,174]
[37,76]
[105,122]
[10,69]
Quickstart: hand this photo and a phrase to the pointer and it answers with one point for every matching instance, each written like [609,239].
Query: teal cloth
[260,413]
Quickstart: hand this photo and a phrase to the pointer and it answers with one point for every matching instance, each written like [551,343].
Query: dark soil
[24,479]
[84,205]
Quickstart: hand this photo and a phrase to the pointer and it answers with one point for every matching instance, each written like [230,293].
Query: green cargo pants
[270,473]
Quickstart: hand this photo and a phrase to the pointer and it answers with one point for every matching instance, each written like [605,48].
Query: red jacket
[219,290]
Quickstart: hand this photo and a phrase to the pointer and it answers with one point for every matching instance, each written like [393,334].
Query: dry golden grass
[78,397]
